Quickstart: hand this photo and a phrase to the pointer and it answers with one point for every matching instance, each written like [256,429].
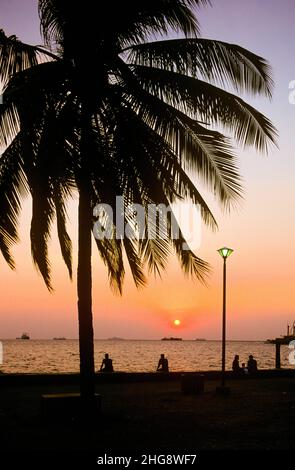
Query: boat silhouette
[171,338]
[24,336]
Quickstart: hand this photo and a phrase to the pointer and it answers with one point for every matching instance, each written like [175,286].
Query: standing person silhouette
[107,364]
[163,364]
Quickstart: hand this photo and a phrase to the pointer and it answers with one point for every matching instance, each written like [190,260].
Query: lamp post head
[225,252]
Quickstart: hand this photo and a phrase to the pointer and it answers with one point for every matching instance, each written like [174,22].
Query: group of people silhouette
[107,364]
[251,368]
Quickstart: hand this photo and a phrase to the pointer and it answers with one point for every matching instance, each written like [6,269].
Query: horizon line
[129,339]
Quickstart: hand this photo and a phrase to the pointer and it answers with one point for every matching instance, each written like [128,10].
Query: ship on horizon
[171,338]
[24,336]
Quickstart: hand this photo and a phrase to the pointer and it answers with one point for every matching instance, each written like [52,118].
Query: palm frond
[186,188]
[13,187]
[206,151]
[131,250]
[27,97]
[154,249]
[9,123]
[215,61]
[153,162]
[158,17]
[51,23]
[110,250]
[15,56]
[191,264]
[150,172]
[63,236]
[210,154]
[42,218]
[205,102]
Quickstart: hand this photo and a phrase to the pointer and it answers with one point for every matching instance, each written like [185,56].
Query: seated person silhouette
[237,370]
[163,364]
[245,369]
[252,365]
[107,364]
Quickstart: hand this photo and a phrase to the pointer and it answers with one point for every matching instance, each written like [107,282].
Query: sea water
[58,356]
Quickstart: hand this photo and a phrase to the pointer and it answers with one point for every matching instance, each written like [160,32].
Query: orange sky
[261,271]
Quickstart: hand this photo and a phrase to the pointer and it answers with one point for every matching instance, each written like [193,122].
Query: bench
[66,405]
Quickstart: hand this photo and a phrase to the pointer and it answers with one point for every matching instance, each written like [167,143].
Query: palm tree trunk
[84,284]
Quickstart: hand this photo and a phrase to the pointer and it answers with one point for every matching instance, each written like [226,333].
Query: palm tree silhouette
[108,107]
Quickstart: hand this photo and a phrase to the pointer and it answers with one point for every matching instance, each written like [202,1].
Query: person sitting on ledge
[163,364]
[107,364]
[237,370]
[252,365]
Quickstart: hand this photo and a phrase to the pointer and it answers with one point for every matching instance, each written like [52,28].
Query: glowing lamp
[225,252]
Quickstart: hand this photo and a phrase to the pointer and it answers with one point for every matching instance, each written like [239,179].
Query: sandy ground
[259,414]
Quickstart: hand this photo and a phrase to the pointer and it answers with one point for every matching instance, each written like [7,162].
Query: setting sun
[177,322]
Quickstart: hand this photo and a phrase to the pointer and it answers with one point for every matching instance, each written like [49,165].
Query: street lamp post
[225,253]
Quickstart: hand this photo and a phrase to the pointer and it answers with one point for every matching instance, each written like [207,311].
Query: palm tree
[108,107]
